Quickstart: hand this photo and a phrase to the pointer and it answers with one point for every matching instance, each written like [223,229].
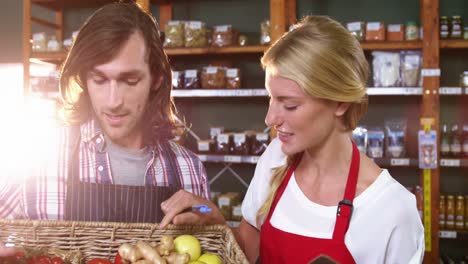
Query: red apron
[277,246]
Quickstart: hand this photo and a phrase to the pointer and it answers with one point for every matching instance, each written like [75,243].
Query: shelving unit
[282,14]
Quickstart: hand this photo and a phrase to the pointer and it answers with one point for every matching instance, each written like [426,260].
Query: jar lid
[411,23]
[456,17]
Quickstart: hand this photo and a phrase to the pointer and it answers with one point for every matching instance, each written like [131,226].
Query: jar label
[211,70]
[203,146]
[231,73]
[223,28]
[354,26]
[395,28]
[195,25]
[191,73]
[373,26]
[222,138]
[262,137]
[239,138]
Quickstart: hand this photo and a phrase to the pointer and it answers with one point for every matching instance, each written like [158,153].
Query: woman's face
[301,121]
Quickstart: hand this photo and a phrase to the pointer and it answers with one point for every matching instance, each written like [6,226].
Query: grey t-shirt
[128,166]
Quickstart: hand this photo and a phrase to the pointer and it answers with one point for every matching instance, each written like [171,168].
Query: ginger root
[176,258]
[166,245]
[130,253]
[150,253]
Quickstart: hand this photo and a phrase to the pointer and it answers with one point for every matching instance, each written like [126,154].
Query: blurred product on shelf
[178,79]
[224,142]
[243,40]
[241,144]
[39,42]
[233,78]
[215,131]
[213,77]
[445,141]
[418,192]
[444,27]
[360,138]
[465,33]
[205,146]
[259,143]
[464,79]
[174,34]
[456,141]
[450,212]
[456,31]
[357,29]
[412,31]
[460,213]
[223,36]
[195,34]
[466,212]
[226,202]
[375,145]
[375,31]
[395,69]
[395,135]
[53,45]
[395,32]
[265,32]
[191,79]
[442,212]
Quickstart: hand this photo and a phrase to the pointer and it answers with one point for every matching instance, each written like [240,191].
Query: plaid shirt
[38,190]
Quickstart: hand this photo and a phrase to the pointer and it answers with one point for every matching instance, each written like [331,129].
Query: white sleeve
[406,243]
[260,184]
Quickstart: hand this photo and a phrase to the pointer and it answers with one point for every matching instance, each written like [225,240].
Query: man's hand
[177,210]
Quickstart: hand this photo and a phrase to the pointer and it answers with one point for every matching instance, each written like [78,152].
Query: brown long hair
[327,62]
[99,40]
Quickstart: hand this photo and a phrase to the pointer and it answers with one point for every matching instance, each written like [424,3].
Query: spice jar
[265,33]
[395,32]
[375,31]
[444,27]
[460,213]
[450,212]
[442,212]
[53,44]
[357,29]
[412,30]
[195,34]
[456,30]
[213,77]
[39,42]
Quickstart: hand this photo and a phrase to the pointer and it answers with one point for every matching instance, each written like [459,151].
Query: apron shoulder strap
[73,163]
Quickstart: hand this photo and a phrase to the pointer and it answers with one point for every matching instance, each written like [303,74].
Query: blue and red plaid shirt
[37,188]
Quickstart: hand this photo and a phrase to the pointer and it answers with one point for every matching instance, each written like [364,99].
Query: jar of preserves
[456,142]
[460,213]
[465,140]
[456,27]
[466,212]
[412,31]
[445,141]
[444,27]
[442,212]
[465,33]
[450,212]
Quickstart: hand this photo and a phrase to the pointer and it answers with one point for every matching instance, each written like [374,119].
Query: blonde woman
[313,193]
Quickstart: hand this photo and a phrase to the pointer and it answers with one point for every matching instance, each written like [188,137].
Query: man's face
[119,91]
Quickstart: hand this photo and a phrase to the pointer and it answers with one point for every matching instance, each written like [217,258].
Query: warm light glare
[28,129]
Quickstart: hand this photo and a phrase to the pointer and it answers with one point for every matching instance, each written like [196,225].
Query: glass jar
[456,28]
[53,44]
[464,79]
[265,32]
[444,27]
[412,30]
[465,33]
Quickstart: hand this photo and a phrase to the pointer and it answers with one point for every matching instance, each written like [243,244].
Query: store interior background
[244,114]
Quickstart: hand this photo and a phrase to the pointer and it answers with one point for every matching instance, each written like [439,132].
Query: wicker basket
[102,239]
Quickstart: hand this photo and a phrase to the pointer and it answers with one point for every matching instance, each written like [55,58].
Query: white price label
[263,92]
[395,27]
[190,73]
[262,136]
[450,162]
[195,24]
[223,28]
[373,26]
[211,70]
[253,159]
[414,90]
[202,157]
[231,73]
[240,92]
[450,90]
[354,26]
[203,146]
[173,22]
[222,138]
[239,137]
[399,162]
[230,158]
[430,72]
[175,75]
[447,234]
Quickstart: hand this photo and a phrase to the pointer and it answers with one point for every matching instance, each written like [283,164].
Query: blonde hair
[327,62]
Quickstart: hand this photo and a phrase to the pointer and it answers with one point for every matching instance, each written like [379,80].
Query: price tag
[173,23]
[195,25]
[427,208]
[450,162]
[191,73]
[254,159]
[202,157]
[354,26]
[231,73]
[240,92]
[234,159]
[223,28]
[450,90]
[395,27]
[373,26]
[399,162]
[211,70]
[447,234]
[430,72]
[261,92]
[413,90]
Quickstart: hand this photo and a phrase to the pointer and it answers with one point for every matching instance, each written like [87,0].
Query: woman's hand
[178,210]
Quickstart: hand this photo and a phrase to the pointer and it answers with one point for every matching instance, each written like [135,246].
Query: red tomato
[19,255]
[44,260]
[33,260]
[118,259]
[99,261]
[57,260]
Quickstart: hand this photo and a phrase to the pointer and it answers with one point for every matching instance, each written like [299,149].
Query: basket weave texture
[102,239]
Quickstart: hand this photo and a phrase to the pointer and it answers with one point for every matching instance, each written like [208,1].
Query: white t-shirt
[385,226]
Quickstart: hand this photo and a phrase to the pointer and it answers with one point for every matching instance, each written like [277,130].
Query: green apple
[188,244]
[210,258]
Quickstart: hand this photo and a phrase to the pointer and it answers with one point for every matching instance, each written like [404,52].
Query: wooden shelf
[54,57]
[454,234]
[391,45]
[215,50]
[457,163]
[60,4]
[454,44]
